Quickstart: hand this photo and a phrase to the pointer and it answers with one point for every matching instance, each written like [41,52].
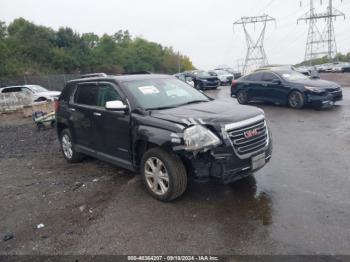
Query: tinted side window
[255,77]
[268,77]
[107,93]
[12,90]
[87,94]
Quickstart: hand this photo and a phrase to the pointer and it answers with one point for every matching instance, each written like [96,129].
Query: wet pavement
[298,204]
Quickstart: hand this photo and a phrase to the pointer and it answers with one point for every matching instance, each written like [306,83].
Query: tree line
[339,57]
[27,48]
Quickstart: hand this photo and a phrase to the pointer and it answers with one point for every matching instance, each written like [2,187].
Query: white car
[224,76]
[36,92]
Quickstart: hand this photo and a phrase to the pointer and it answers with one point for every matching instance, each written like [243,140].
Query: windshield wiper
[161,108]
[194,102]
[170,107]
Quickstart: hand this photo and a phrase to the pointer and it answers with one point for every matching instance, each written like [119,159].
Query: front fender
[156,136]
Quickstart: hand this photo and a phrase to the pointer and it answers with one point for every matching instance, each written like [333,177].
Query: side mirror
[276,81]
[116,105]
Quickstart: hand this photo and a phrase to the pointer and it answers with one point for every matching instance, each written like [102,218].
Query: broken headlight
[198,138]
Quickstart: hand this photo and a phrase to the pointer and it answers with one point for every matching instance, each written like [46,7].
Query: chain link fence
[50,82]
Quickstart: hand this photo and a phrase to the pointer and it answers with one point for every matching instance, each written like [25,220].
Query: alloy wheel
[157,176]
[67,146]
[242,97]
[295,100]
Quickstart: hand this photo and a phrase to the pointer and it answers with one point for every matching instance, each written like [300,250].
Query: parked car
[230,70]
[286,87]
[224,76]
[36,92]
[310,71]
[346,68]
[203,80]
[162,128]
[185,79]
[326,68]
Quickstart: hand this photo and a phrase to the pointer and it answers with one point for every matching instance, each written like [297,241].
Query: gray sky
[201,29]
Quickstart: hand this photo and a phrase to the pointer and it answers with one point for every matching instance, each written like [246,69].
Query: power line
[256,55]
[321,44]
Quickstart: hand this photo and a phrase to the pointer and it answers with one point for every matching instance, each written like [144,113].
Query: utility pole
[256,55]
[321,44]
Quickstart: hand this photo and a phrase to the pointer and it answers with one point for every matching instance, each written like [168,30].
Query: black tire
[242,97]
[175,171]
[296,100]
[74,157]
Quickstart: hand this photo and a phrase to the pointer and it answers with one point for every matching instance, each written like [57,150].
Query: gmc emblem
[251,133]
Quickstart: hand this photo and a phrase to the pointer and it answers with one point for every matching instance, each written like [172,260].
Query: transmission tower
[256,55]
[321,44]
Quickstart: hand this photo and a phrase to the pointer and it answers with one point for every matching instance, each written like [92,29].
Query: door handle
[97,114]
[72,109]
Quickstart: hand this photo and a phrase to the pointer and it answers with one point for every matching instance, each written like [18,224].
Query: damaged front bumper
[324,100]
[224,164]
[228,168]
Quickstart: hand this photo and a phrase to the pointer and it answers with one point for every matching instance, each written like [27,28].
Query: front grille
[249,139]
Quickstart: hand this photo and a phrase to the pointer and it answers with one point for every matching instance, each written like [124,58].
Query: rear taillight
[56,105]
[233,83]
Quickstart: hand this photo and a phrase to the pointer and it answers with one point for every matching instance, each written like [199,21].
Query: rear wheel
[69,153]
[41,99]
[242,97]
[163,174]
[296,100]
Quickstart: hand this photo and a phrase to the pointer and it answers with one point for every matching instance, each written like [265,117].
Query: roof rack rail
[138,73]
[93,75]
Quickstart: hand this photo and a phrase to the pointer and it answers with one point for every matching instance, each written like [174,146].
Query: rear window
[87,94]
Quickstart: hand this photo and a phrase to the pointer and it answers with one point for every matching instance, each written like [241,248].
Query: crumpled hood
[48,93]
[215,113]
[319,83]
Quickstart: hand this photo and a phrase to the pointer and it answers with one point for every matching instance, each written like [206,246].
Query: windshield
[293,76]
[202,74]
[163,93]
[37,89]
[221,72]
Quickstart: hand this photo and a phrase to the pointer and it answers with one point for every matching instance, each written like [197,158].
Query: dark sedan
[286,87]
[203,80]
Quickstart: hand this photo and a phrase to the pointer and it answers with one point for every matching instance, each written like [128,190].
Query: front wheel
[296,100]
[242,97]
[163,174]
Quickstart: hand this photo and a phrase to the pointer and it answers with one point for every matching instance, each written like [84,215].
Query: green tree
[29,48]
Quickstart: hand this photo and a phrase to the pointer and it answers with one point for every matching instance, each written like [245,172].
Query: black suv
[162,128]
